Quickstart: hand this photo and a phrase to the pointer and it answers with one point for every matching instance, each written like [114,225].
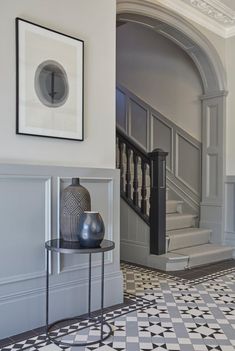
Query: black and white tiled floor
[165,313]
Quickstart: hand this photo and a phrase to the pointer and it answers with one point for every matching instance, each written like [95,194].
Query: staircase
[187,245]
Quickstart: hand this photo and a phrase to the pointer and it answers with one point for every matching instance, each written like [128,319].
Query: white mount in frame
[50,82]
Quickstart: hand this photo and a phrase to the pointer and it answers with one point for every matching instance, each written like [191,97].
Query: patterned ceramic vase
[90,229]
[75,200]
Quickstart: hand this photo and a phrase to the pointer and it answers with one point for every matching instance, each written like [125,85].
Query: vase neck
[75,181]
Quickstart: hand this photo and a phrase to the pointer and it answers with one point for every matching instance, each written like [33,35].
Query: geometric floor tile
[165,313]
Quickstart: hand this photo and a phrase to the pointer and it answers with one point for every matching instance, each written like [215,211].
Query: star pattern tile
[167,313]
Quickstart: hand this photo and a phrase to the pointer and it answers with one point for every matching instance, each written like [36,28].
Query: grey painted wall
[29,215]
[229,231]
[160,73]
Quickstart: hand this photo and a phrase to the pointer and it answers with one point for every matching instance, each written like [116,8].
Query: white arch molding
[207,60]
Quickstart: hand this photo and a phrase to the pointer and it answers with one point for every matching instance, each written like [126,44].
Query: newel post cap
[156,153]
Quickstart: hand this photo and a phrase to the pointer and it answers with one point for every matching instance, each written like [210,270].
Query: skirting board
[134,253]
[64,301]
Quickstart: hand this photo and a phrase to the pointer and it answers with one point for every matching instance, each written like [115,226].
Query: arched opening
[213,100]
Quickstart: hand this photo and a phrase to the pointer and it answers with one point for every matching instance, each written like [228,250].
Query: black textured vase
[75,199]
[90,229]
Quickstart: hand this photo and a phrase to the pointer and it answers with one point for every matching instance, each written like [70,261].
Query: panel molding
[212,148]
[230,206]
[125,107]
[198,148]
[108,229]
[175,131]
[188,197]
[138,103]
[157,116]
[229,227]
[47,189]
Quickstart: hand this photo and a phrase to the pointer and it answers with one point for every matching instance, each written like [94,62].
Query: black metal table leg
[102,296]
[71,248]
[89,287]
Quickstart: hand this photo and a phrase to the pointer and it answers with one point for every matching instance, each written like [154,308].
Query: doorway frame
[213,100]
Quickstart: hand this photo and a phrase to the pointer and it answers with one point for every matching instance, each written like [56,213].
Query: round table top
[73,247]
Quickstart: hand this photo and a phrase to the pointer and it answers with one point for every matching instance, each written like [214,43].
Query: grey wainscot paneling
[29,215]
[213,155]
[229,232]
[150,129]
[134,236]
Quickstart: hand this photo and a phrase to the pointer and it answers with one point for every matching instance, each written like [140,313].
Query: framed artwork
[50,82]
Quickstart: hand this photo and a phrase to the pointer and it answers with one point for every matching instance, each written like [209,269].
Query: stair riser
[209,258]
[173,207]
[180,223]
[182,241]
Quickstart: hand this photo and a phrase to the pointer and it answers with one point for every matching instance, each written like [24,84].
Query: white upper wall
[160,73]
[94,22]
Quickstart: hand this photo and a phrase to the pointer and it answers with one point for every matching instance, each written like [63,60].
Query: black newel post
[158,202]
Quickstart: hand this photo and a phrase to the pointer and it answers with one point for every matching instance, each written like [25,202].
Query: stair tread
[188,231]
[174,201]
[180,215]
[201,250]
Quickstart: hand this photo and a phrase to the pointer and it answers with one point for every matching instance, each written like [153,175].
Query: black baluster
[128,172]
[143,188]
[135,180]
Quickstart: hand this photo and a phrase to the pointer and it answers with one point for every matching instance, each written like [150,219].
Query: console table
[67,247]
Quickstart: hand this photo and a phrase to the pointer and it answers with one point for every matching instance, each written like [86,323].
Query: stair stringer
[134,244]
[178,191]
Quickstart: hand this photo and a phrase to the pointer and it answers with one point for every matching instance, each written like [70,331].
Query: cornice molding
[190,12]
[216,10]
[222,7]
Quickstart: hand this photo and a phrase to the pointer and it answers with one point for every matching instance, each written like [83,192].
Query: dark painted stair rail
[130,156]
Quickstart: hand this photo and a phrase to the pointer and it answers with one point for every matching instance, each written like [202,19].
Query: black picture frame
[34,115]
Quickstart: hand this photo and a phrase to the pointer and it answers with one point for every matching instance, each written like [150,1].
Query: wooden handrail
[132,144]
